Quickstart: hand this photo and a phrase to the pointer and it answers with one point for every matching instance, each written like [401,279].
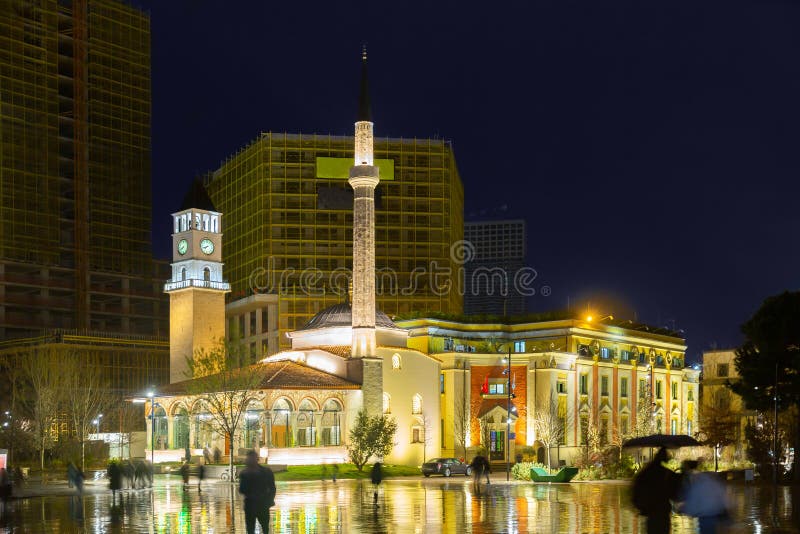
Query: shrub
[522,470]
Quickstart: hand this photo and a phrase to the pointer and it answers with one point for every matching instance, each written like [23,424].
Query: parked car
[446,467]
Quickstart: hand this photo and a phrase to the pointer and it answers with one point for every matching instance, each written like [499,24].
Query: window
[690,394]
[722,369]
[623,387]
[416,434]
[659,425]
[642,387]
[623,423]
[441,383]
[603,431]
[673,428]
[674,391]
[207,274]
[604,386]
[689,427]
[659,387]
[584,429]
[584,385]
[416,404]
[561,386]
[604,353]
[396,361]
[387,401]
[519,346]
[497,387]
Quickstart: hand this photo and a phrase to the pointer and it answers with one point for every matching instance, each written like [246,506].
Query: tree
[370,436]
[88,396]
[643,426]
[45,380]
[549,426]
[760,440]
[427,436]
[718,422]
[768,361]
[224,384]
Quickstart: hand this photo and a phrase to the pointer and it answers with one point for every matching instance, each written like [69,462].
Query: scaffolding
[282,217]
[75,198]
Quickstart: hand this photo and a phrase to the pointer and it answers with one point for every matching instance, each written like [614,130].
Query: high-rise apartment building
[497,253]
[75,192]
[288,211]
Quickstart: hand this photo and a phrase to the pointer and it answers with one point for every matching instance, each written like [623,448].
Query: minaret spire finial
[364,108]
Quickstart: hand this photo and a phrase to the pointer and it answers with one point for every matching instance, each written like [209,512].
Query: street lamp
[507,372]
[151,395]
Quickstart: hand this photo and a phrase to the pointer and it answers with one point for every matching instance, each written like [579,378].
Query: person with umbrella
[653,489]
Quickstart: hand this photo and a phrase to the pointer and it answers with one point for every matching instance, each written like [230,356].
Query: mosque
[348,357]
[452,386]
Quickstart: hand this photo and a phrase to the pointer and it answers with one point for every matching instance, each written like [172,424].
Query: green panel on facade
[340,168]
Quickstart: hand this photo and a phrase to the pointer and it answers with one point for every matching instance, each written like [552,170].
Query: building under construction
[288,223]
[75,191]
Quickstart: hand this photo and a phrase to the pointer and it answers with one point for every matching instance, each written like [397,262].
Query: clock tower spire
[196,289]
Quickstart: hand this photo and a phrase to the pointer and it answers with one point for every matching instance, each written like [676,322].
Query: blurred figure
[653,488]
[335,471]
[75,477]
[201,474]
[114,480]
[257,484]
[703,496]
[477,473]
[377,477]
[185,474]
[5,486]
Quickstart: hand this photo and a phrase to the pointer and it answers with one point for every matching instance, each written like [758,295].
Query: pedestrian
[114,479]
[187,453]
[703,496]
[71,474]
[257,484]
[185,474]
[335,471]
[487,468]
[201,474]
[5,486]
[477,471]
[653,489]
[377,477]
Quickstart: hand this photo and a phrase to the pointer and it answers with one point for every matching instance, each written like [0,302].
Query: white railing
[206,284]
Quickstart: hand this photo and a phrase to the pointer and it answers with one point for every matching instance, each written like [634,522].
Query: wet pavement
[404,505]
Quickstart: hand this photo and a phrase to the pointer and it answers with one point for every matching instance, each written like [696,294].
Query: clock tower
[196,289]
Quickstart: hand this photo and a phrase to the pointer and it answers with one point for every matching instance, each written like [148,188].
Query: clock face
[183,246]
[207,246]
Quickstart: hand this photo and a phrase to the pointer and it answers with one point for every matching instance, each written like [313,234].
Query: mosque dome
[342,315]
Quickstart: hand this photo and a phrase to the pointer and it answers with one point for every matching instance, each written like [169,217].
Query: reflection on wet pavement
[404,505]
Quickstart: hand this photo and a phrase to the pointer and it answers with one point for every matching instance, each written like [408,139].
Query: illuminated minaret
[363,179]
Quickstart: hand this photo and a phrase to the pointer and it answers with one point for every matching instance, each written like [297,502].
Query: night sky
[652,149]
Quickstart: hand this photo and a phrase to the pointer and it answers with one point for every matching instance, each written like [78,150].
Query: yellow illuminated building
[288,211]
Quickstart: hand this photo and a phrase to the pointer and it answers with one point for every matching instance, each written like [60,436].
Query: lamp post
[507,372]
[151,395]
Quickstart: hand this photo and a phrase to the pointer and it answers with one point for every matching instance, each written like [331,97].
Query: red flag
[485,386]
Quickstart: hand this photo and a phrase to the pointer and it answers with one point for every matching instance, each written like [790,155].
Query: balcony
[203,284]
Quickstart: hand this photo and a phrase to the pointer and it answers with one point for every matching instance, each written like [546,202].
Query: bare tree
[643,425]
[461,425]
[45,378]
[718,421]
[549,425]
[427,437]
[225,384]
[89,396]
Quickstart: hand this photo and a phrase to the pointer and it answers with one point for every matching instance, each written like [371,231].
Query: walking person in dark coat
[377,477]
[201,474]
[185,474]
[257,484]
[653,488]
[114,480]
[477,473]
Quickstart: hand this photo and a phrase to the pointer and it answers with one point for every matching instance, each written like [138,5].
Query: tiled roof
[284,374]
[343,351]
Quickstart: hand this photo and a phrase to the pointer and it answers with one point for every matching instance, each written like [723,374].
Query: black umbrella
[663,440]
